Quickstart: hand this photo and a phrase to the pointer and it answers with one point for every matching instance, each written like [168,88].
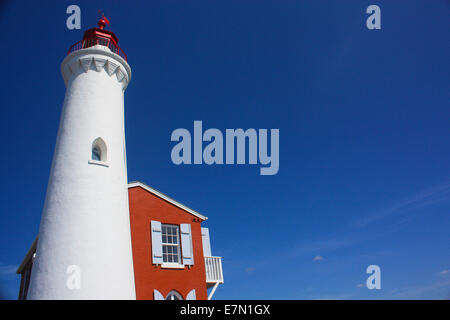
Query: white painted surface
[214,272]
[186,244]
[157,295]
[206,242]
[211,294]
[85,220]
[157,254]
[171,265]
[191,295]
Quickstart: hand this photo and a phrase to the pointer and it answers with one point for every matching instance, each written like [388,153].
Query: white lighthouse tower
[84,246]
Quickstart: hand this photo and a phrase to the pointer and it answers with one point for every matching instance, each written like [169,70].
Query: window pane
[171,243]
[174,296]
[96,154]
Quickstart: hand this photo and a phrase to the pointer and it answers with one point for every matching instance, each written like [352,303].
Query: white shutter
[206,243]
[157,257]
[186,244]
[191,295]
[157,295]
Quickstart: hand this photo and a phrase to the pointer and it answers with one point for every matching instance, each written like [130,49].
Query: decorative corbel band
[96,59]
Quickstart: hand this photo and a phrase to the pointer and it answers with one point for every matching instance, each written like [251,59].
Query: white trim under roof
[164,197]
[28,256]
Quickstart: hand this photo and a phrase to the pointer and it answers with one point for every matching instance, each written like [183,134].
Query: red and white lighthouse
[85,228]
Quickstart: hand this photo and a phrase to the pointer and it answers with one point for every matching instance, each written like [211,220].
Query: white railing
[213,267]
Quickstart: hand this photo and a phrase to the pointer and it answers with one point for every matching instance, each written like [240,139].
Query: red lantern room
[99,36]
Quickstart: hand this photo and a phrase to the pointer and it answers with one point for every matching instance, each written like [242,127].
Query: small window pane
[173,295]
[171,243]
[96,154]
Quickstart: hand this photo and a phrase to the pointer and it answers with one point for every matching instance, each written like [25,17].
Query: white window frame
[166,244]
[99,145]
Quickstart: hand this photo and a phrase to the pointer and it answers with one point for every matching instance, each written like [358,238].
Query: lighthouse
[84,249]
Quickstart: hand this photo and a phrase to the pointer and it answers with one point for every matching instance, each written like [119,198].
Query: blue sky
[364,134]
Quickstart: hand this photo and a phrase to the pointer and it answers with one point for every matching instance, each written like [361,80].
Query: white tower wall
[85,220]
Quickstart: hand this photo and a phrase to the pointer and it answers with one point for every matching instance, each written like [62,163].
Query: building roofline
[134,184]
[28,256]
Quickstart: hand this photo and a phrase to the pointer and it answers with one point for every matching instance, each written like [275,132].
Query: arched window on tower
[99,152]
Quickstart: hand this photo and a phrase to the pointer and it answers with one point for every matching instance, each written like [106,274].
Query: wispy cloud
[317,258]
[250,270]
[418,200]
[342,296]
[441,288]
[7,269]
[444,272]
[354,235]
[324,245]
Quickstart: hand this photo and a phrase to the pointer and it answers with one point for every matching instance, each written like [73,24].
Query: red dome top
[99,36]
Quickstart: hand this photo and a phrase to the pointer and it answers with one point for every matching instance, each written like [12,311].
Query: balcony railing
[213,267]
[90,42]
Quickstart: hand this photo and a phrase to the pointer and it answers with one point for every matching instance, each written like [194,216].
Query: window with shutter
[186,244]
[171,243]
[156,231]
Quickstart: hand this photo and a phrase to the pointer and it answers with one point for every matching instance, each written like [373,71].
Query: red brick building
[171,250]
